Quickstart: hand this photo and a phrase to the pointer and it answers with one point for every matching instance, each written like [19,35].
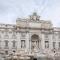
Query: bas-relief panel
[35,31]
[46,25]
[35,25]
[21,23]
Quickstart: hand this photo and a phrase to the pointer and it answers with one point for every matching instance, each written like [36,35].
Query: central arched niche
[34,42]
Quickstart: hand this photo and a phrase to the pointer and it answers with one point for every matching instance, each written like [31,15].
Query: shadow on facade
[45,58]
[38,59]
[35,59]
[56,58]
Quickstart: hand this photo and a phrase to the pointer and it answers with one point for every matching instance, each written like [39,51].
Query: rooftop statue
[34,17]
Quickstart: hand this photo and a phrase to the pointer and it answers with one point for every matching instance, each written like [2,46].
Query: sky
[49,10]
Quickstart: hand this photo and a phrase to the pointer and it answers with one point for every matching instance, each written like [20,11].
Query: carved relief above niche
[23,35]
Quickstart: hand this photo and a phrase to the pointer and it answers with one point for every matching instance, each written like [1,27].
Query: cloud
[12,9]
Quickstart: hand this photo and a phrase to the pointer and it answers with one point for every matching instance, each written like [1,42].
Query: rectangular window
[59,44]
[6,52]
[46,44]
[0,43]
[59,35]
[14,43]
[6,43]
[22,43]
[54,44]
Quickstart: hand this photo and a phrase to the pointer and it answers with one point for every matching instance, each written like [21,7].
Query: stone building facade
[30,35]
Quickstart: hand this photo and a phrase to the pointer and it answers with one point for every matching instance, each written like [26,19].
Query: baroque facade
[31,35]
